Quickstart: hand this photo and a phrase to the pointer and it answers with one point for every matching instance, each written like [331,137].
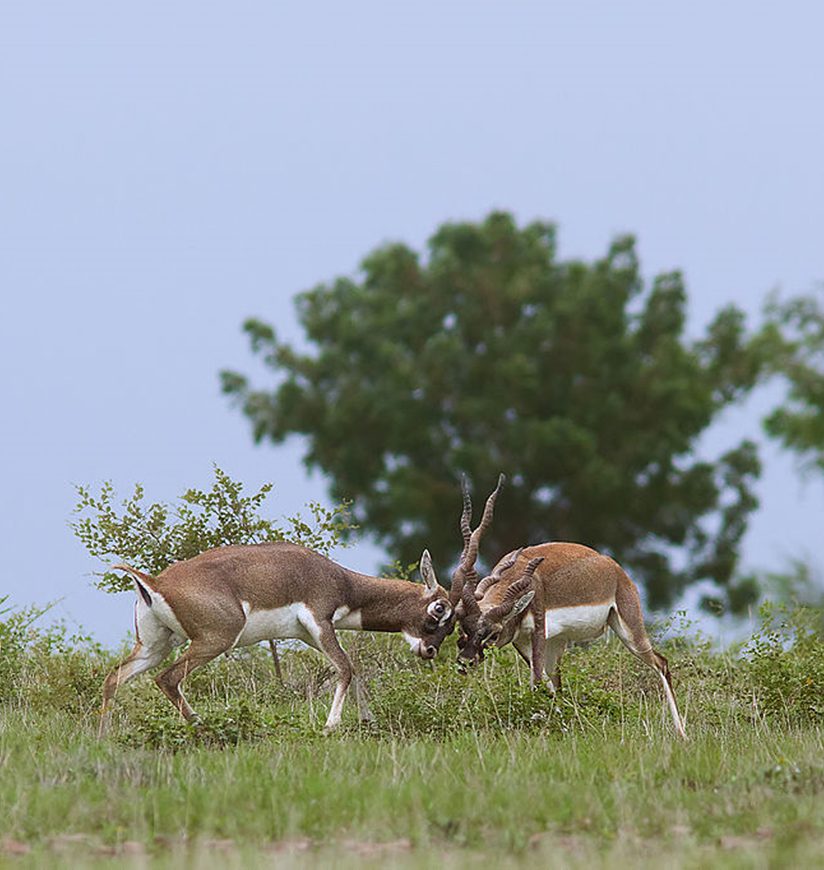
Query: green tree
[793,337]
[493,355]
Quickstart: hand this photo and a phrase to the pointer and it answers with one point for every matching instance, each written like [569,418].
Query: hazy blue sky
[169,169]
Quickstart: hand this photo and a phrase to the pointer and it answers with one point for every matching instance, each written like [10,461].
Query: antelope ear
[428,572]
[522,603]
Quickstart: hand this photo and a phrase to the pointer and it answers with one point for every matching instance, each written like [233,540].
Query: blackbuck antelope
[240,595]
[543,597]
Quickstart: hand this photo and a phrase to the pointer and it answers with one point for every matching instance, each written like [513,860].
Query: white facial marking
[584,622]
[414,642]
[438,605]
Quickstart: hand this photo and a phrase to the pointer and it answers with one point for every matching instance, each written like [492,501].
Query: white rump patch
[150,631]
[584,622]
[161,611]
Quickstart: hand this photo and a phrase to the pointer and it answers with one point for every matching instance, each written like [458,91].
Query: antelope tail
[142,581]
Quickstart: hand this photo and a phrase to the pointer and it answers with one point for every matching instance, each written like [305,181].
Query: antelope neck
[384,604]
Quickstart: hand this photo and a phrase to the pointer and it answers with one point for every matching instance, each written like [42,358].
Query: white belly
[291,621]
[584,622]
[343,617]
[278,622]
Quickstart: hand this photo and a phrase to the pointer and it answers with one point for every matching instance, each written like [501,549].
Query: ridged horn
[520,587]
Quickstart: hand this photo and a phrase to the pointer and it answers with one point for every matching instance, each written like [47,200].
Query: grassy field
[455,771]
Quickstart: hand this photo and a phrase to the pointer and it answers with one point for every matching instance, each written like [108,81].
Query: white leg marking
[309,623]
[147,657]
[676,717]
[554,650]
[333,720]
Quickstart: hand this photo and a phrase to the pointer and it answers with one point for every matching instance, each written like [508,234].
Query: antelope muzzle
[470,653]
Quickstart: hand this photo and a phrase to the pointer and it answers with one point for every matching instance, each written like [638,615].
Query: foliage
[793,337]
[457,768]
[778,673]
[798,586]
[15,632]
[151,537]
[55,666]
[494,355]
[786,658]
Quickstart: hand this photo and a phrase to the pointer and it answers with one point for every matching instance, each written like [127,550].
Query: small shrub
[151,537]
[786,663]
[15,634]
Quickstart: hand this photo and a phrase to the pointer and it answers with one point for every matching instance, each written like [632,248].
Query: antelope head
[495,625]
[465,577]
[427,630]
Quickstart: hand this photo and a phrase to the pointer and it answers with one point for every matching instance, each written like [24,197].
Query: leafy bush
[786,663]
[51,667]
[15,634]
[152,536]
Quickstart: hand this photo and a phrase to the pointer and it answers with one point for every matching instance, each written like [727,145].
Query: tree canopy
[491,354]
[794,340]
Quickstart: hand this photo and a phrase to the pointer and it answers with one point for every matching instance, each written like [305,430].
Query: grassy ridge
[454,769]
[473,790]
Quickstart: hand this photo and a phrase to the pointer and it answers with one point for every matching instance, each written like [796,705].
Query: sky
[170,169]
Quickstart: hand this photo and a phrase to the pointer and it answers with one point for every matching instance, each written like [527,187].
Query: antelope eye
[437,609]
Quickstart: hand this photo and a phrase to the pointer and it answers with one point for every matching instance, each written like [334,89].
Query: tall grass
[454,770]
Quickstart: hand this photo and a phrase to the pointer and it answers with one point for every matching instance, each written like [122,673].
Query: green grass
[456,771]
